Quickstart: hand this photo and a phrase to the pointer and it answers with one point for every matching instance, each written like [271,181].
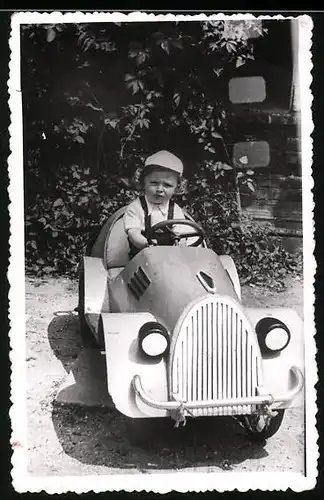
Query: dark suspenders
[171,210]
[147,221]
[147,217]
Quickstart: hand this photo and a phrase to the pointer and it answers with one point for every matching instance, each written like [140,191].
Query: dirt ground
[65,440]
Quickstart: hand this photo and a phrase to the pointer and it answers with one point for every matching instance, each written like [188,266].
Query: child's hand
[138,240]
[153,243]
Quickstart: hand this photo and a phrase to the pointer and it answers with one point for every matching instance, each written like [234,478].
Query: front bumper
[259,399]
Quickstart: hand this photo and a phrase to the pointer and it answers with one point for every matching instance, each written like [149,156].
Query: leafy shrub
[59,227]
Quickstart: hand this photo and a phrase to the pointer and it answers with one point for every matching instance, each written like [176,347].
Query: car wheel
[260,427]
[87,337]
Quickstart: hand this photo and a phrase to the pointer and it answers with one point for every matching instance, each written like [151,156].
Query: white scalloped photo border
[182,481]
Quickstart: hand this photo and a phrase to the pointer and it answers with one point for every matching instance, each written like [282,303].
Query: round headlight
[276,339]
[273,335]
[153,339]
[154,344]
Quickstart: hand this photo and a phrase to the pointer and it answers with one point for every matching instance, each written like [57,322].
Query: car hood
[165,280]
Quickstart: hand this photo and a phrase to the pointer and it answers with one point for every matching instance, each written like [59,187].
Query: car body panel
[276,375]
[172,281]
[230,268]
[124,361]
[96,299]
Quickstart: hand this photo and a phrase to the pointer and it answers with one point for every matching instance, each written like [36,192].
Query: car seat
[116,251]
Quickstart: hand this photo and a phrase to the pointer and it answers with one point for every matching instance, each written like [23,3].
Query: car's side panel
[276,370]
[229,266]
[124,361]
[96,299]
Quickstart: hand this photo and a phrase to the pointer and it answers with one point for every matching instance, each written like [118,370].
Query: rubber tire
[87,336]
[268,431]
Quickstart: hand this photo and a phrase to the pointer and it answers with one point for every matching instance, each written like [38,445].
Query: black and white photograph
[161,271]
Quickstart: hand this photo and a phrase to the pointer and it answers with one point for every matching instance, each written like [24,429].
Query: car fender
[277,377]
[229,266]
[95,285]
[124,361]
[96,299]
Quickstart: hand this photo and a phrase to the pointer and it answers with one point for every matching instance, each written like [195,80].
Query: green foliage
[59,227]
[99,98]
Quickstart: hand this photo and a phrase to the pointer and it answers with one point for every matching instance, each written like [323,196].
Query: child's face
[159,186]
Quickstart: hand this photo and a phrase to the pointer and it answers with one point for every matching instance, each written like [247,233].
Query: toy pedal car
[177,340]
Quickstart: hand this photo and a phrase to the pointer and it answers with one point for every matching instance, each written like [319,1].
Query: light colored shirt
[134,217]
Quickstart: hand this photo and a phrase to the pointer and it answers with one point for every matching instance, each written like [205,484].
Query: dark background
[318,105]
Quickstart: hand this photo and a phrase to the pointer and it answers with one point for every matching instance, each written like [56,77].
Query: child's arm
[134,223]
[136,237]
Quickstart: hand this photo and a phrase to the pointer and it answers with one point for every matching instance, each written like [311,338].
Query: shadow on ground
[64,337]
[105,437]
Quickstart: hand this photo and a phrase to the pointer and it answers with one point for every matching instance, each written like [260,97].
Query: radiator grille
[215,357]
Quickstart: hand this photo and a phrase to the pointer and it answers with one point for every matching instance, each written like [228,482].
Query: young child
[159,179]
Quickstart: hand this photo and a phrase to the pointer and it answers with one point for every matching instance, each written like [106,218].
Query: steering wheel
[165,226]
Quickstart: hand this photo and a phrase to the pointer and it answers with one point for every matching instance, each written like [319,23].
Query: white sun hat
[166,160]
